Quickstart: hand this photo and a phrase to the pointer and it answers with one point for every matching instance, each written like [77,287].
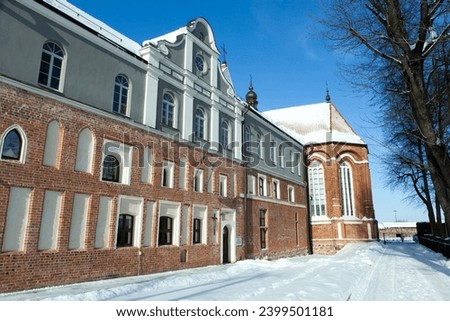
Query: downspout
[308,217]
[245,164]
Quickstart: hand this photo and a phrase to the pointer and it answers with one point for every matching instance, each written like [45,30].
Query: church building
[121,159]
[339,185]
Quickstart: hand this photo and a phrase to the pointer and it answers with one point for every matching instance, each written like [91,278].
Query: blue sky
[278,44]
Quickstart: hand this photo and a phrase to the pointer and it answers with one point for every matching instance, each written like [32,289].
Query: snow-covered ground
[363,272]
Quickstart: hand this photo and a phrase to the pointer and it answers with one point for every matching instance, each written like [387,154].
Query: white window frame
[264,187]
[53,57]
[200,212]
[123,153]
[200,123]
[276,189]
[122,86]
[251,185]
[172,210]
[23,147]
[346,186]
[225,134]
[317,191]
[166,105]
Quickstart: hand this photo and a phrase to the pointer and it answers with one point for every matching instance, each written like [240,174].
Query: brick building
[339,186]
[121,159]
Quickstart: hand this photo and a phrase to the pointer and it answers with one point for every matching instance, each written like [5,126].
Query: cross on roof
[224,52]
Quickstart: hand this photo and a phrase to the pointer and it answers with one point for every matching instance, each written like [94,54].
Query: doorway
[225,245]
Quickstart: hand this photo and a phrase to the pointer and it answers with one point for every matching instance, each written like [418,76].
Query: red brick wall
[287,225]
[32,268]
[325,237]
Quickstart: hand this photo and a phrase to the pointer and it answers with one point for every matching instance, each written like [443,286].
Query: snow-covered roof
[95,24]
[315,124]
[170,37]
[384,225]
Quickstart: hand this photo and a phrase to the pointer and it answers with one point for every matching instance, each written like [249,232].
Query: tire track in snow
[397,274]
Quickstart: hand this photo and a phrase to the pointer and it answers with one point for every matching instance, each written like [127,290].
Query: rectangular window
[273,148]
[199,227]
[125,228]
[251,184]
[316,185]
[223,185]
[262,186]
[167,174]
[165,230]
[276,189]
[169,223]
[281,156]
[197,237]
[263,229]
[198,180]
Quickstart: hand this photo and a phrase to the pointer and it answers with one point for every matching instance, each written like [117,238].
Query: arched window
[12,145]
[120,100]
[168,110]
[316,182]
[199,124]
[125,230]
[111,169]
[50,72]
[224,134]
[346,180]
[165,230]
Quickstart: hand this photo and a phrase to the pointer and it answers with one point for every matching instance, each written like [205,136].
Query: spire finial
[224,52]
[327,97]
[251,98]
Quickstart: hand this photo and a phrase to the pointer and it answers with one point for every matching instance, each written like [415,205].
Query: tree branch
[379,53]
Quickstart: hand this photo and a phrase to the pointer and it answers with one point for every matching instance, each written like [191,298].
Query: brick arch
[320,156]
[351,157]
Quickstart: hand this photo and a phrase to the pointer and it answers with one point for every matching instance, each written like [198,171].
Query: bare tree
[406,164]
[393,38]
